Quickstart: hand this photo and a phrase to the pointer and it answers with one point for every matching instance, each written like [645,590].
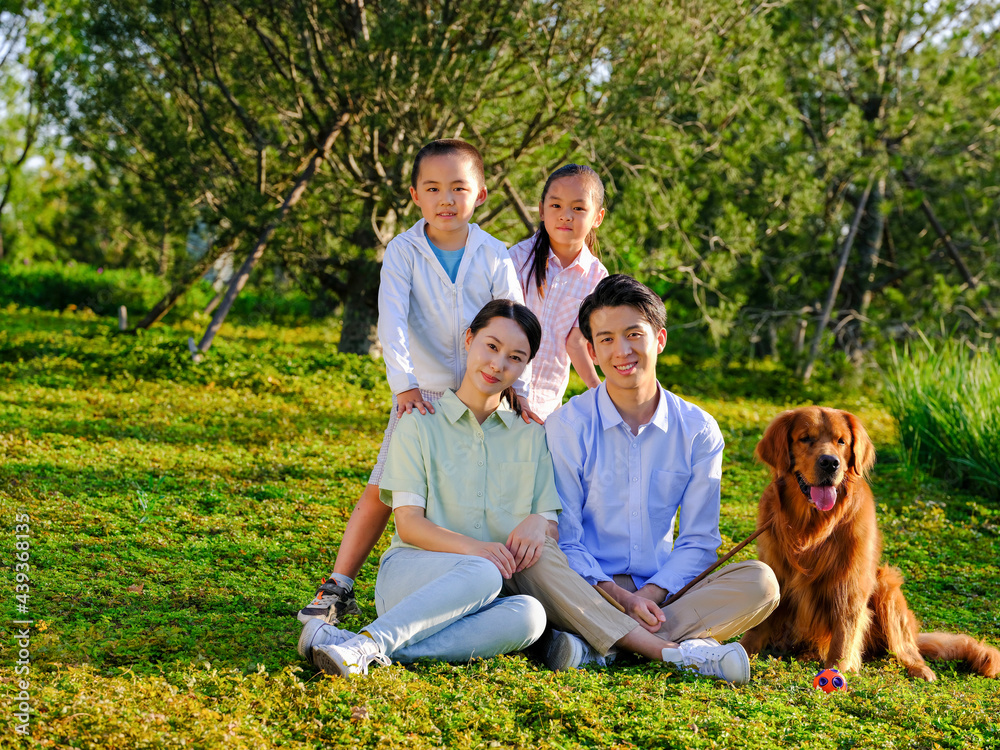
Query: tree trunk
[240,279]
[164,264]
[869,250]
[928,210]
[166,304]
[359,334]
[215,302]
[838,277]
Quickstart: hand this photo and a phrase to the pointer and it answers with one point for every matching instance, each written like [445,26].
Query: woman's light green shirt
[479,480]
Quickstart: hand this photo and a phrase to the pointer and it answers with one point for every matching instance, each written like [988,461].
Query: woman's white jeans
[441,605]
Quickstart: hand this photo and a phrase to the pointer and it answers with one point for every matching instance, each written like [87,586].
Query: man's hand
[654,593]
[527,414]
[644,611]
[527,541]
[496,553]
[409,400]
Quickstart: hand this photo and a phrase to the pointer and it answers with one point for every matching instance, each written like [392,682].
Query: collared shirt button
[481,463]
[635,546]
[635,445]
[478,525]
[635,479]
[635,513]
[479,494]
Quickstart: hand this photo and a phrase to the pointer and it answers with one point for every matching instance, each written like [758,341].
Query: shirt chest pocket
[516,483]
[666,488]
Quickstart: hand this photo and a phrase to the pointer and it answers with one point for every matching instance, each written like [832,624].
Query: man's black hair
[618,290]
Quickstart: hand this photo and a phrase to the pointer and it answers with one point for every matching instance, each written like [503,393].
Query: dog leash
[698,579]
[701,576]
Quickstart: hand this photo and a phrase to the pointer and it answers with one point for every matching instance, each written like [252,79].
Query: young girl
[557,269]
[471,486]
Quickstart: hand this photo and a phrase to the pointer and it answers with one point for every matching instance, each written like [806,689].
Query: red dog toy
[829,680]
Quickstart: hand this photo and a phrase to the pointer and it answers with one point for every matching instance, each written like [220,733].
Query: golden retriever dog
[821,541]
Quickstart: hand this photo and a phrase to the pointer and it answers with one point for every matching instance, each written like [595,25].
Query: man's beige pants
[728,602]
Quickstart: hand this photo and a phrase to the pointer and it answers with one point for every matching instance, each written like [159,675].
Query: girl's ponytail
[511,397]
[539,258]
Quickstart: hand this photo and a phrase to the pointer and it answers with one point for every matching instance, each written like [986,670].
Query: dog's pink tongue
[823,498]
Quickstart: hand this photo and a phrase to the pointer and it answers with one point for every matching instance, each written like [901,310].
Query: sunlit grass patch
[180,519]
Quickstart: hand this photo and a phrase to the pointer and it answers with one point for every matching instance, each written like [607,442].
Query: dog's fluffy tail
[983,659]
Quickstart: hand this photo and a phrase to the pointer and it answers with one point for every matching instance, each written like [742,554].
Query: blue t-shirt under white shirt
[450,260]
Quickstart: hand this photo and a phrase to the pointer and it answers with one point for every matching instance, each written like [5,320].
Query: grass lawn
[179,516]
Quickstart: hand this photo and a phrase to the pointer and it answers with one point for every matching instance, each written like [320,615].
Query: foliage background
[739,143]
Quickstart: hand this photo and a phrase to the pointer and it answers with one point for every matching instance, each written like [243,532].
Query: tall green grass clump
[946,401]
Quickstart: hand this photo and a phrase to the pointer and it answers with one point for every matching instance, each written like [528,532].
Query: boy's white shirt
[423,316]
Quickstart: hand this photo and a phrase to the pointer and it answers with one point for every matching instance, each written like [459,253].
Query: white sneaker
[317,633]
[568,651]
[729,662]
[350,657]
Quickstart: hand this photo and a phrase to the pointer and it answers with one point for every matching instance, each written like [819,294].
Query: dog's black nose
[829,464]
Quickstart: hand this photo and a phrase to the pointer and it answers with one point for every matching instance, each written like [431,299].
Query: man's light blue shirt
[622,493]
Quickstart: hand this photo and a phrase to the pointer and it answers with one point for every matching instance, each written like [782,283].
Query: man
[631,461]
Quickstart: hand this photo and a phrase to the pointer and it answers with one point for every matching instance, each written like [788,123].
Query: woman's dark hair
[618,290]
[505,308]
[447,146]
[539,258]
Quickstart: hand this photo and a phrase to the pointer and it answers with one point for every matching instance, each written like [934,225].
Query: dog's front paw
[921,672]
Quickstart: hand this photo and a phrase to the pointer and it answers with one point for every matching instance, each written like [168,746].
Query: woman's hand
[527,541]
[496,553]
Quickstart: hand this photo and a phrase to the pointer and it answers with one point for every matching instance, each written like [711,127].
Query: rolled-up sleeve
[697,545]
[405,470]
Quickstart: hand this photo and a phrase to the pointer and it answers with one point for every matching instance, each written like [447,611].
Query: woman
[472,491]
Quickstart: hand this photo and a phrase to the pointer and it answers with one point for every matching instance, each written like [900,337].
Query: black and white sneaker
[331,604]
[559,650]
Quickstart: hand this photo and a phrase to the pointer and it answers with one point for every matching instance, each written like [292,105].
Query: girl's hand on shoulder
[496,553]
[527,414]
[409,400]
[527,541]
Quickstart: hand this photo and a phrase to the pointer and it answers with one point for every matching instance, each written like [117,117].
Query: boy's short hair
[450,146]
[618,290]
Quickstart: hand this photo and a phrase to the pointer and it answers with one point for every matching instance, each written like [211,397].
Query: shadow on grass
[113,421]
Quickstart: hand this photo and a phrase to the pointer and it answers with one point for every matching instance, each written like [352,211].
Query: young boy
[435,278]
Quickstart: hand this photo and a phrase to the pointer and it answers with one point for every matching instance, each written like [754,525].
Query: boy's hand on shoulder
[527,414]
[409,400]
